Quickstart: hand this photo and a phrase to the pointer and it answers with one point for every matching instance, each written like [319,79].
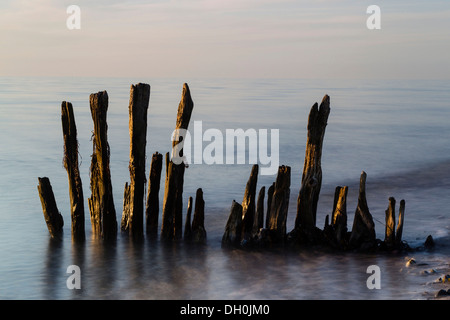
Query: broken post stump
[126,208]
[389,233]
[233,228]
[363,230]
[172,224]
[52,216]
[152,205]
[269,202]
[187,225]
[312,170]
[258,221]
[339,216]
[101,202]
[248,204]
[401,219]
[198,222]
[72,167]
[133,214]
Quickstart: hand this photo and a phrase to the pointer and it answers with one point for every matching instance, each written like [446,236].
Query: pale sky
[322,39]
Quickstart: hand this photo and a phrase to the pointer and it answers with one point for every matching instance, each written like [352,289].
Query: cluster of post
[245,228]
[101,203]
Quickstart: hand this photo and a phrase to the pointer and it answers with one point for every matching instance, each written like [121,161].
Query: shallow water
[396,131]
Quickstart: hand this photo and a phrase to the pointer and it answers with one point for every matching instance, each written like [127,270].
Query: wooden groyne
[335,234]
[136,204]
[249,224]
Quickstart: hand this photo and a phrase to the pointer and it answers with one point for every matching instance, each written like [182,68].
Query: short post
[52,216]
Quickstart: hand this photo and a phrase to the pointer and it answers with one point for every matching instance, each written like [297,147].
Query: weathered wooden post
[249,204]
[152,206]
[187,224]
[198,222]
[101,202]
[126,208]
[312,170]
[363,230]
[280,205]
[339,216]
[137,109]
[172,223]
[258,221]
[71,165]
[269,203]
[401,219]
[389,234]
[233,228]
[53,217]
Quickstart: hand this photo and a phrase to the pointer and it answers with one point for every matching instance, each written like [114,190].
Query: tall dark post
[101,202]
[172,223]
[73,172]
[133,214]
[312,169]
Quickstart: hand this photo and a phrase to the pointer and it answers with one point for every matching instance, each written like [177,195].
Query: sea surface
[398,132]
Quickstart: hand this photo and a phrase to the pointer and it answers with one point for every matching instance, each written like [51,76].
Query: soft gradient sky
[229,38]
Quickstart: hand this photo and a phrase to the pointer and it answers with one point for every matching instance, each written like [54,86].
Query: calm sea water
[396,131]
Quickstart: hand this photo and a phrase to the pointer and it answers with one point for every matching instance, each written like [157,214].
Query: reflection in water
[52,267]
[153,270]
[404,159]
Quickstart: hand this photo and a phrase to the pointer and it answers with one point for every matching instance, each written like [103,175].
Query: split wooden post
[137,110]
[52,216]
[101,202]
[312,170]
[152,206]
[172,220]
[71,165]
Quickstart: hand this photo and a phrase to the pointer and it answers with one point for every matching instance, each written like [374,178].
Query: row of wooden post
[246,220]
[101,203]
[244,227]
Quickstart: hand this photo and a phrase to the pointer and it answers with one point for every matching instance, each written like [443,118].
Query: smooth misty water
[396,131]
